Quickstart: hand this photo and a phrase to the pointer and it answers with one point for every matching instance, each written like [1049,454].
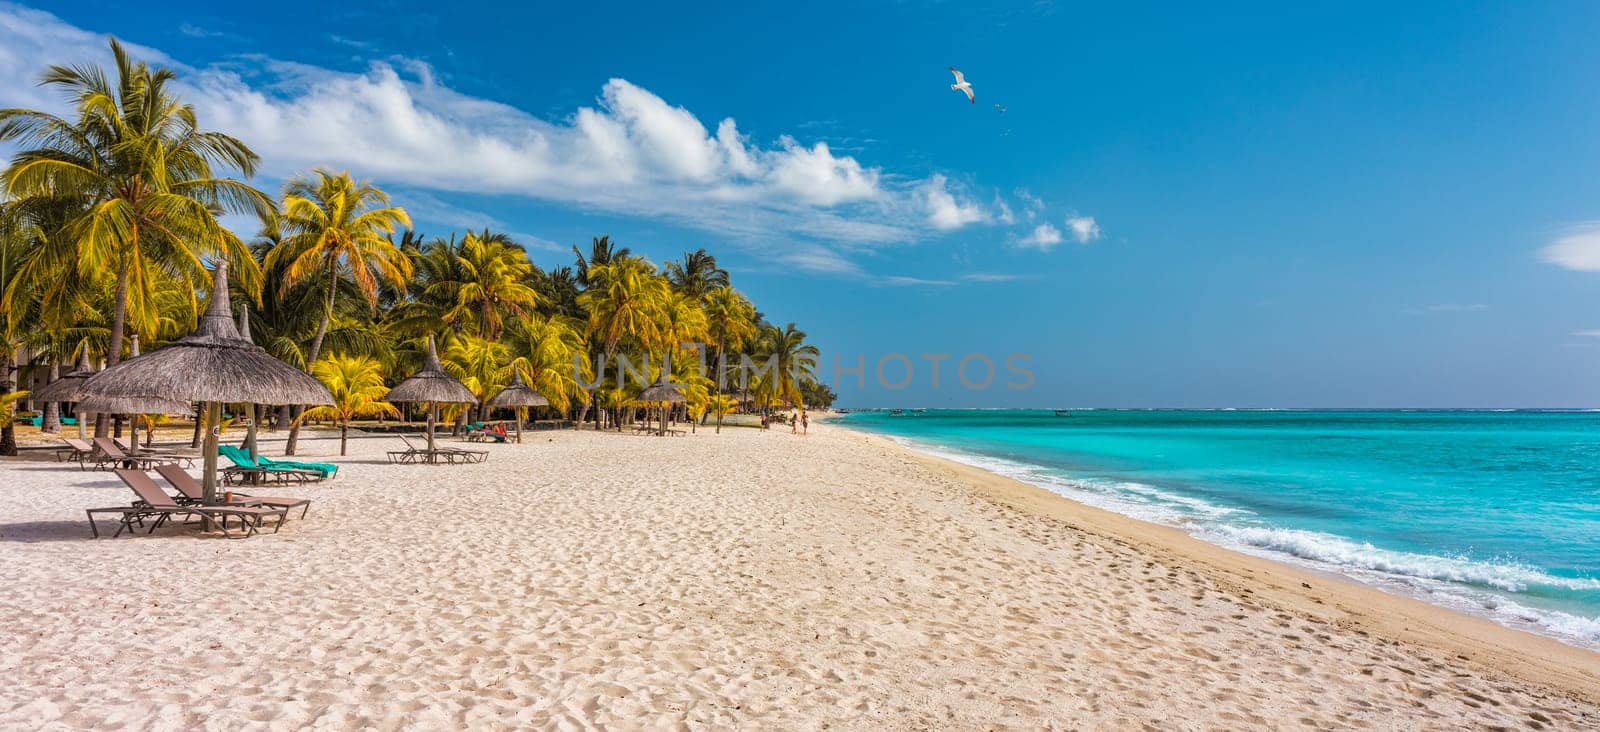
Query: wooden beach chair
[76,450]
[151,453]
[108,453]
[192,492]
[406,456]
[451,455]
[155,503]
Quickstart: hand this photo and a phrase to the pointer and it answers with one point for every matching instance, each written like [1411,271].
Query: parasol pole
[212,429]
[250,432]
[433,410]
[133,434]
[250,429]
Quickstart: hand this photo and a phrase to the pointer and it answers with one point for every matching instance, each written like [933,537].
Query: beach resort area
[1036,366]
[744,580]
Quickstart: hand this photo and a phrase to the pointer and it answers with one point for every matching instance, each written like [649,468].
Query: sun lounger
[406,456]
[155,503]
[76,450]
[108,453]
[162,455]
[244,469]
[192,491]
[450,455]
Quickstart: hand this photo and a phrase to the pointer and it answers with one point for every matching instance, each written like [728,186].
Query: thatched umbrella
[67,388]
[518,396]
[215,366]
[133,405]
[431,387]
[662,392]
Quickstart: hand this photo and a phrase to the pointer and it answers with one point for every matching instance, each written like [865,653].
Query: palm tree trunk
[119,321]
[8,384]
[199,417]
[344,429]
[722,347]
[119,318]
[52,410]
[311,358]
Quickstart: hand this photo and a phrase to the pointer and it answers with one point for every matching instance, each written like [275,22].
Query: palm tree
[437,277]
[14,247]
[558,291]
[697,275]
[545,345]
[624,301]
[494,273]
[356,383]
[146,176]
[796,362]
[731,319]
[334,229]
[480,363]
[601,251]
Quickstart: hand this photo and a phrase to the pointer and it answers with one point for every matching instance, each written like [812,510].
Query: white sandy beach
[741,580]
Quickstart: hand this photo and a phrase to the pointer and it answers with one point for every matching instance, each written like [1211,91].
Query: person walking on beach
[805,423]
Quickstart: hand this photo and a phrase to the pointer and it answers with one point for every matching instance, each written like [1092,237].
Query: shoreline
[1328,596]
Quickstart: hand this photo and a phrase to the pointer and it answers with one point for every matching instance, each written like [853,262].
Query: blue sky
[1235,205]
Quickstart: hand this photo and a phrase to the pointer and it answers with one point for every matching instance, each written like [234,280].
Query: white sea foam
[1128,498]
[1330,549]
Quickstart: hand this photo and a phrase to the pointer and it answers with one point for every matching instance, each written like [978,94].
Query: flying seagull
[961,85]
[999,109]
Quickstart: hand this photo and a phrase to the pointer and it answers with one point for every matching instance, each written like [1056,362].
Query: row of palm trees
[111,215]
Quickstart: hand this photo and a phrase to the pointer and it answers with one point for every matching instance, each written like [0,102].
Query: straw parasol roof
[518,395]
[212,365]
[65,389]
[431,384]
[133,405]
[662,393]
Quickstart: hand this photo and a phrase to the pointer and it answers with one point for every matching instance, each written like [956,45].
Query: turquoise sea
[1492,512]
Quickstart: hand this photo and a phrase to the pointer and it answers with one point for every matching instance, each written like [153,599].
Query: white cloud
[632,152]
[991,277]
[1044,237]
[1587,333]
[1578,248]
[194,31]
[814,258]
[426,208]
[1006,215]
[945,210]
[901,281]
[1032,205]
[1083,228]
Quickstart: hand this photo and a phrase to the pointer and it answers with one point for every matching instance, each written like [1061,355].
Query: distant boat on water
[1063,413]
[897,412]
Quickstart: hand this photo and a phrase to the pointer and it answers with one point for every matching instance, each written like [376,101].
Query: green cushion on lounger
[328,470]
[242,459]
